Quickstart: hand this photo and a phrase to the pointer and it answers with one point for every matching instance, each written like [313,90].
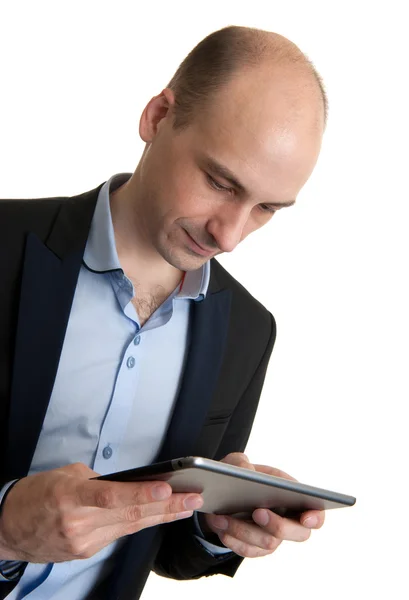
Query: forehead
[264,132]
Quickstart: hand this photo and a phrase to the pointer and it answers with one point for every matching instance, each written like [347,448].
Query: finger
[313,519]
[127,528]
[244,531]
[177,503]
[242,548]
[280,527]
[116,494]
[88,519]
[158,519]
[119,522]
[273,471]
[238,459]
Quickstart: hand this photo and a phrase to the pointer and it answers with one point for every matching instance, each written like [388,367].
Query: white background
[75,77]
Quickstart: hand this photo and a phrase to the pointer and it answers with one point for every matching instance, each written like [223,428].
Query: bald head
[229,142]
[262,57]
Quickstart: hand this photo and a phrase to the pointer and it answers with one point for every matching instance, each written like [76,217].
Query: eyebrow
[221,170]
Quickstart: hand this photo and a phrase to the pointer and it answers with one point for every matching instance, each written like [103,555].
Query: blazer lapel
[209,324]
[50,274]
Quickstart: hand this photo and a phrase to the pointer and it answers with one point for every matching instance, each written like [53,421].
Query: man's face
[208,187]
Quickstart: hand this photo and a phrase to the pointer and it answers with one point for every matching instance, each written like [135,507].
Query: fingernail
[310,522]
[161,492]
[261,518]
[220,523]
[193,502]
[184,515]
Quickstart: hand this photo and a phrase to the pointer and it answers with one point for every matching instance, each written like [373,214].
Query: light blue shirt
[108,408]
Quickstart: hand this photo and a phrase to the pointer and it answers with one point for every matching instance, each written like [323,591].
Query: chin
[189,263]
[182,259]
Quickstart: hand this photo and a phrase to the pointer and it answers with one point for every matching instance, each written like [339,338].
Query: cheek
[190,197]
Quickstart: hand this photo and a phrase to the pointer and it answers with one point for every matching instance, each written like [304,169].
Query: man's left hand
[267,530]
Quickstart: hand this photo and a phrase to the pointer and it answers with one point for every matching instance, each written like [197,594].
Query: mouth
[197,249]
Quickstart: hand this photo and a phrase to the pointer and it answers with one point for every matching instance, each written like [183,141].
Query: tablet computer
[227,489]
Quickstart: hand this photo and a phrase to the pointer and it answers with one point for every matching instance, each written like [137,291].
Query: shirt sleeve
[10,570]
[212,548]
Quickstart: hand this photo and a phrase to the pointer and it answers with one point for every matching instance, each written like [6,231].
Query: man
[124,342]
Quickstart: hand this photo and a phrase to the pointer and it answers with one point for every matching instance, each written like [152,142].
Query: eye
[266,208]
[216,186]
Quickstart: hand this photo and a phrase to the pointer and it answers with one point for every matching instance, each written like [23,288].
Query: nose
[228,225]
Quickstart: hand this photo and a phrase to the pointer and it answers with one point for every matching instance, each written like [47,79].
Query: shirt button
[130,363]
[137,340]
[107,452]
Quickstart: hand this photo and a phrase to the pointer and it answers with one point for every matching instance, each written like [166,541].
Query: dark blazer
[42,243]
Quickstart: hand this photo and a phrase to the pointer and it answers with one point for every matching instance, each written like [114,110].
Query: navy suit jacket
[42,242]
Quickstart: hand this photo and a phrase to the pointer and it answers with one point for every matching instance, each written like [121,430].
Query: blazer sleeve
[181,555]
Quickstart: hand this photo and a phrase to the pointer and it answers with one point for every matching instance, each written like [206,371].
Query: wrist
[5,552]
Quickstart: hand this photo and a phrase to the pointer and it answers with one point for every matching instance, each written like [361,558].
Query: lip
[196,248]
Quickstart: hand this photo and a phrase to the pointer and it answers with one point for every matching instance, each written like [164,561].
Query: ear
[155,112]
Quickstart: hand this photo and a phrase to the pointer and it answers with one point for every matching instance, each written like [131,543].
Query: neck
[139,259]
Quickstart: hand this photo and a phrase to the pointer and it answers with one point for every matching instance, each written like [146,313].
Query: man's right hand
[61,515]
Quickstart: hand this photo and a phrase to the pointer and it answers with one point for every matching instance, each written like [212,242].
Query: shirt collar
[195,283]
[101,255]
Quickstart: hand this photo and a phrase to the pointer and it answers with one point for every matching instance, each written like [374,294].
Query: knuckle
[238,529]
[280,529]
[68,529]
[133,513]
[240,547]
[143,491]
[225,539]
[105,498]
[231,530]
[174,505]
[270,543]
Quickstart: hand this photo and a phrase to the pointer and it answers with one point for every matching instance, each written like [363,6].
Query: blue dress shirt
[109,408]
